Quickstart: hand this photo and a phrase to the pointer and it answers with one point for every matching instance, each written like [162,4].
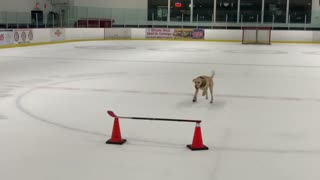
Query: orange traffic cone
[116,134]
[197,143]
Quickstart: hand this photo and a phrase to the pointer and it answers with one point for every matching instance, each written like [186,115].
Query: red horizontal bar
[112,114]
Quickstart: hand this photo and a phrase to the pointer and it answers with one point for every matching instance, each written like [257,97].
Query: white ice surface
[263,125]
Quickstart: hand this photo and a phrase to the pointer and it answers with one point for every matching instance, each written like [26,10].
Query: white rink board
[84,33]
[117,33]
[316,36]
[138,33]
[291,35]
[212,34]
[41,35]
[46,35]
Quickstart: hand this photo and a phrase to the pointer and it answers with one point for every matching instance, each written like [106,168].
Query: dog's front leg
[205,92]
[195,95]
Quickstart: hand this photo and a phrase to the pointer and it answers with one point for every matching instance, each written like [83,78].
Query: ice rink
[264,123]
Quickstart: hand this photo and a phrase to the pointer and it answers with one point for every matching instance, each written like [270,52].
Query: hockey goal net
[256,35]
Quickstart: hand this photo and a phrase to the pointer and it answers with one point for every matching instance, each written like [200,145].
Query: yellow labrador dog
[204,83]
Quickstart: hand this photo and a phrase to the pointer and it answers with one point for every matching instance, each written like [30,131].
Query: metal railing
[71,16]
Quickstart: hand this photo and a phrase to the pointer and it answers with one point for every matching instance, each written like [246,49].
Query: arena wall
[70,34]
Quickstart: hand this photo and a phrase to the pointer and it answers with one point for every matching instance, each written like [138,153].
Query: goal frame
[268,42]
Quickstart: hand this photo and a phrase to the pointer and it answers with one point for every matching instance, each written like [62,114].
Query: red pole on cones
[116,134]
[197,143]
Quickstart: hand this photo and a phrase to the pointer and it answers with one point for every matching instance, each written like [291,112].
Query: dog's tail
[213,73]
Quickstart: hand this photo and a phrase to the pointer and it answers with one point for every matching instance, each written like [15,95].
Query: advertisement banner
[189,34]
[22,36]
[6,37]
[57,34]
[175,33]
[160,33]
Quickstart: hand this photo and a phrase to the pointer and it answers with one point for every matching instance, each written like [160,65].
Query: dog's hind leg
[211,94]
[207,93]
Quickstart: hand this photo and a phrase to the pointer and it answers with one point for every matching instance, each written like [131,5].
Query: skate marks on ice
[180,49]
[267,150]
[151,143]
[312,53]
[3,117]
[22,83]
[102,74]
[151,49]
[3,94]
[78,77]
[220,102]
[85,76]
[255,51]
[106,47]
[6,87]
[65,59]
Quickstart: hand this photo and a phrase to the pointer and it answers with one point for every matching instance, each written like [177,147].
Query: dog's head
[198,82]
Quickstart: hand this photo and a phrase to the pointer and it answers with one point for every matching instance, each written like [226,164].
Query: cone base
[197,149]
[118,143]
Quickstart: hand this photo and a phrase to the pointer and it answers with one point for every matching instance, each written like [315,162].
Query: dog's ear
[194,80]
